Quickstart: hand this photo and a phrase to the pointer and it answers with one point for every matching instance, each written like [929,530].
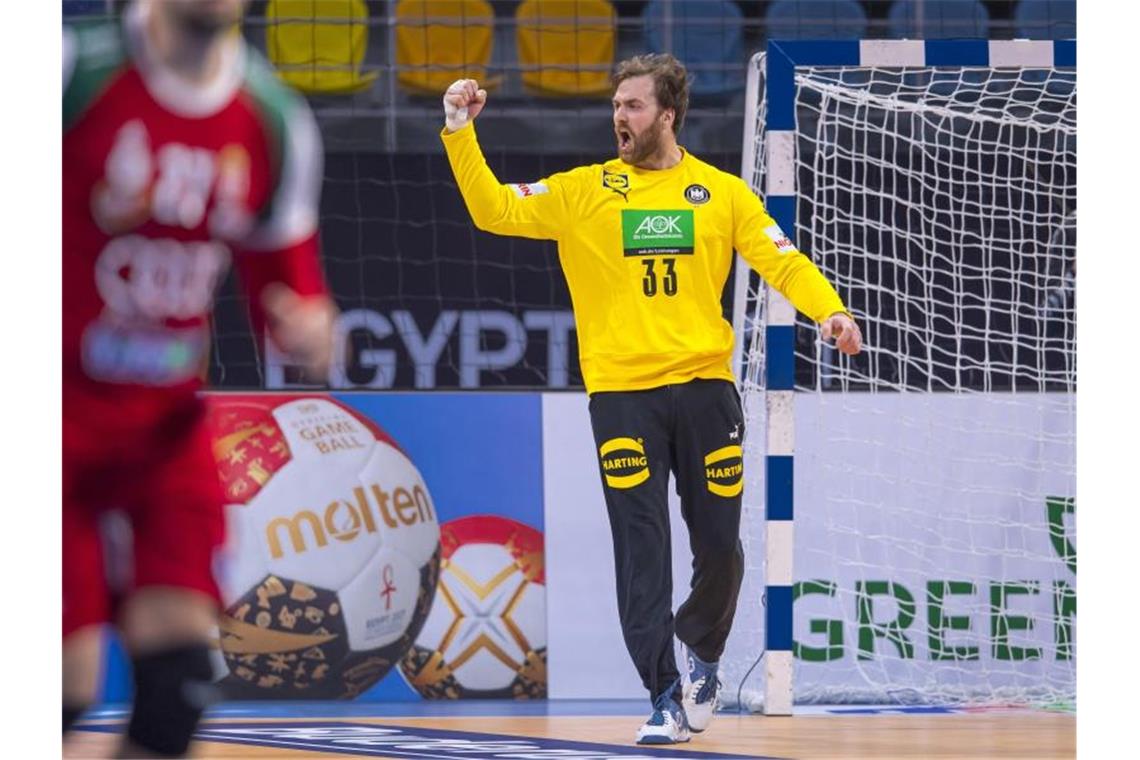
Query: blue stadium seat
[938,19]
[815,20]
[1046,19]
[706,35]
[74,8]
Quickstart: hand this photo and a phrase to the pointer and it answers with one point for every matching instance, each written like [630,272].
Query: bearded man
[646,242]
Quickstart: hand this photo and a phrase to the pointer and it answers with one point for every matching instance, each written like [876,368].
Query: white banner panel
[924,522]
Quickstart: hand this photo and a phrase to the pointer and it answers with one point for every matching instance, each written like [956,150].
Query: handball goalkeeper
[646,240]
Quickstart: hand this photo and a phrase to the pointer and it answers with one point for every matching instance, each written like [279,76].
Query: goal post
[909,512]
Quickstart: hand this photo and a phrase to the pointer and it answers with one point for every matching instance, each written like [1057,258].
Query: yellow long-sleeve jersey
[646,255]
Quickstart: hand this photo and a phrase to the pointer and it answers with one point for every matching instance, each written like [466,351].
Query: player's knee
[172,688]
[158,617]
[738,564]
[723,558]
[733,560]
[82,653]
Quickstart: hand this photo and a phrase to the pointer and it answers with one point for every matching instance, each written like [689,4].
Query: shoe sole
[693,728]
[660,739]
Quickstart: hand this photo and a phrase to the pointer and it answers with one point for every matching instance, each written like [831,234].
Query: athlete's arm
[535,210]
[759,239]
[279,262]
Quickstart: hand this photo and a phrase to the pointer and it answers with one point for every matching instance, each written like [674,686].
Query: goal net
[933,557]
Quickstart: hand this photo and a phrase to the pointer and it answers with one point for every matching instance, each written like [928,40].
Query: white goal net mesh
[934,557]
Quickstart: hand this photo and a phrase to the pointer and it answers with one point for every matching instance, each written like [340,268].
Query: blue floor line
[427,709]
[422,743]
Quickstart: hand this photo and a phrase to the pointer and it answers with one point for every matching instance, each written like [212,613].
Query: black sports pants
[695,431]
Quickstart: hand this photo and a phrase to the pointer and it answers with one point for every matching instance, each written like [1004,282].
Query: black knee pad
[71,714]
[172,688]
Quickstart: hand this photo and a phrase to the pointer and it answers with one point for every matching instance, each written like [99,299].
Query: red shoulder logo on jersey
[529,189]
[777,236]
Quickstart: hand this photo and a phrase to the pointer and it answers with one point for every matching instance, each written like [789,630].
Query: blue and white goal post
[908,519]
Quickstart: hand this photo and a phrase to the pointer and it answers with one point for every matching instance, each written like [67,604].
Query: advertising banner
[934,549]
[382,547]
[935,544]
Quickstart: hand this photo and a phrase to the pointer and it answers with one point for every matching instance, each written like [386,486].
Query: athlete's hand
[302,327]
[462,103]
[842,327]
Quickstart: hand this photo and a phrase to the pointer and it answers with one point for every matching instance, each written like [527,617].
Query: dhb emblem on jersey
[697,194]
[619,183]
[530,189]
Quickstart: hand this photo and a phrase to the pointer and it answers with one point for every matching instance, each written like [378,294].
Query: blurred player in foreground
[181,151]
[646,242]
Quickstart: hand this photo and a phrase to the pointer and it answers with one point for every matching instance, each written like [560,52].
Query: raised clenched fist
[462,103]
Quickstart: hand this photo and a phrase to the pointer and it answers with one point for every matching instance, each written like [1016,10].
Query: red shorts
[141,508]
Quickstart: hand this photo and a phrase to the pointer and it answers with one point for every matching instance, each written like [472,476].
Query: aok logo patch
[724,471]
[624,463]
[650,233]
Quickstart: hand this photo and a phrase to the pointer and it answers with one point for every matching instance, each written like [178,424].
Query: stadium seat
[78,8]
[439,41]
[706,35]
[815,20]
[319,45]
[566,47]
[1046,19]
[938,19]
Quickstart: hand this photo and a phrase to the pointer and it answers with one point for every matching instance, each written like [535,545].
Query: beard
[640,146]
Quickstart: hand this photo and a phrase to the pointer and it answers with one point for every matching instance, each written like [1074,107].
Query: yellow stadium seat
[566,47]
[318,45]
[439,41]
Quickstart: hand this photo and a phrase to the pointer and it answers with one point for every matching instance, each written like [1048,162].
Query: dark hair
[670,81]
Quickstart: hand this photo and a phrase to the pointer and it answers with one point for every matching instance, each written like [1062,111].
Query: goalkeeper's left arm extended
[539,210]
[766,248]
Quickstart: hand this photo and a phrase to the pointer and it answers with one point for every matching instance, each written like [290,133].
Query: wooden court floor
[1005,733]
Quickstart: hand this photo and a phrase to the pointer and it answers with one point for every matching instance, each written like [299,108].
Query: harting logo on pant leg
[724,471]
[624,462]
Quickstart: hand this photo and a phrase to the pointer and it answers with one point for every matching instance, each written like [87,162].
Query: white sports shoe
[667,724]
[701,688]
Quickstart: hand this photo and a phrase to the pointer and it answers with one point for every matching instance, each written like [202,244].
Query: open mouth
[625,139]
